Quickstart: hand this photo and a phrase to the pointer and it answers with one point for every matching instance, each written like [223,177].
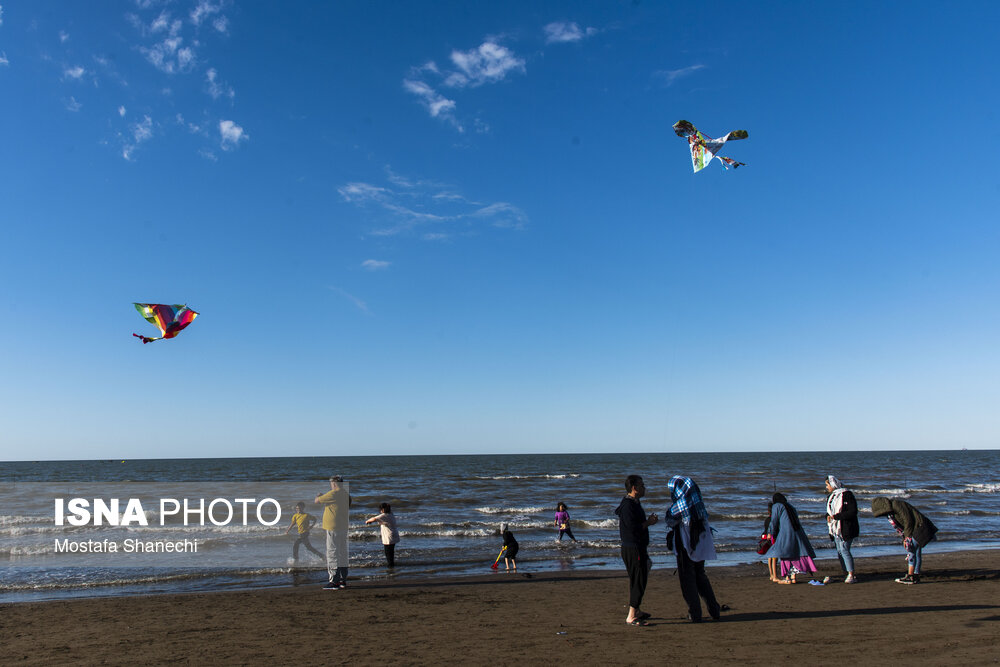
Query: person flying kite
[704,147]
[170,320]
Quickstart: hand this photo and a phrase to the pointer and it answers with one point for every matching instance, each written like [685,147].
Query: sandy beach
[952,616]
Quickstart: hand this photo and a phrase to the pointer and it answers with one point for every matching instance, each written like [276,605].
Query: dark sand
[951,617]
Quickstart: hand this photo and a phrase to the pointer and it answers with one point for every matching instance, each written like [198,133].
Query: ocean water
[450,508]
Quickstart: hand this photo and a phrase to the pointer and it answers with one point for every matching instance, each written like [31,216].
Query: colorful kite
[704,147]
[170,320]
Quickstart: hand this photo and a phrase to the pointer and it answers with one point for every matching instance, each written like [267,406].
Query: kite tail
[144,339]
[728,162]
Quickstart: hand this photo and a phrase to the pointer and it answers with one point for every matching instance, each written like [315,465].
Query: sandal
[637,621]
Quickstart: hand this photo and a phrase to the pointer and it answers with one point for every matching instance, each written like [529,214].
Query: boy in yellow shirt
[304,522]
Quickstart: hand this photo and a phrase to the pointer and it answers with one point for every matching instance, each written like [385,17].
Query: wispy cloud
[63,36]
[362,192]
[438,210]
[3,59]
[669,76]
[75,72]
[437,105]
[361,305]
[490,62]
[231,134]
[216,88]
[1,14]
[72,105]
[168,55]
[559,32]
[487,63]
[121,111]
[221,24]
[375,264]
[139,133]
[203,10]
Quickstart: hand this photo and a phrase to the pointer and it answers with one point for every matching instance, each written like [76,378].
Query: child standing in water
[562,522]
[390,535]
[510,548]
[304,522]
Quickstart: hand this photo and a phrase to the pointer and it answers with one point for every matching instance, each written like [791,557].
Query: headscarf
[834,504]
[793,516]
[686,496]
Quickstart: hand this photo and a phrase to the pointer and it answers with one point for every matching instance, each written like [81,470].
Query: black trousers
[304,540]
[695,583]
[568,532]
[637,565]
[390,554]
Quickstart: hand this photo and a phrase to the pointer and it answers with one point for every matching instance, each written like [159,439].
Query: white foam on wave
[981,488]
[14,520]
[512,510]
[499,477]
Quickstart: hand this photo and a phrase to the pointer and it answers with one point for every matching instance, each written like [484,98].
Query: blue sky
[421,228]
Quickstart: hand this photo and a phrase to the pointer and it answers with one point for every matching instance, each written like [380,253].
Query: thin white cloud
[488,63]
[140,132]
[163,23]
[221,24]
[167,55]
[437,105]
[428,205]
[185,58]
[3,59]
[203,10]
[231,134]
[559,32]
[63,36]
[361,192]
[1,14]
[361,305]
[669,76]
[375,264]
[216,88]
[121,111]
[74,72]
[502,214]
[72,104]
[143,130]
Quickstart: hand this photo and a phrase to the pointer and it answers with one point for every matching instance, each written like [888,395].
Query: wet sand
[952,616]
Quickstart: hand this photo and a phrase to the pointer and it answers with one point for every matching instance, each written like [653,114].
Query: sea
[449,510]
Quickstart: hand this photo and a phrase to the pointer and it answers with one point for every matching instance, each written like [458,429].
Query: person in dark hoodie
[633,526]
[916,529]
[842,523]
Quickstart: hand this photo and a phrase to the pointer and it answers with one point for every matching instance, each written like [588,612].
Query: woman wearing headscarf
[842,523]
[690,537]
[791,546]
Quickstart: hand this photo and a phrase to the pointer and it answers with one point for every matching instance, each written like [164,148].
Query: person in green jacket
[917,530]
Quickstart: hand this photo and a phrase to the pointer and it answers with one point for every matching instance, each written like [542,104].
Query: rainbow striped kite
[170,320]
